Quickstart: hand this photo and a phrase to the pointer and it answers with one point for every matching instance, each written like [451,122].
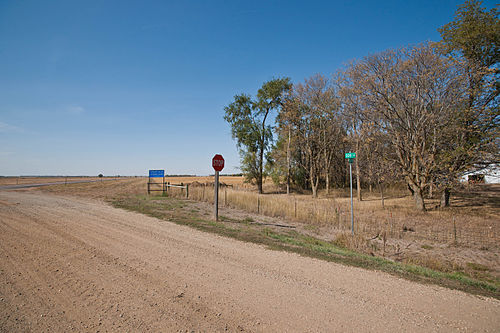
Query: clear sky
[120,87]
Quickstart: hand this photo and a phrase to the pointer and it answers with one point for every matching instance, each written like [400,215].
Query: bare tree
[377,158]
[407,94]
[309,115]
[352,107]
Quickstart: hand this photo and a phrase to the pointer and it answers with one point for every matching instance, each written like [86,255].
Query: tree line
[422,114]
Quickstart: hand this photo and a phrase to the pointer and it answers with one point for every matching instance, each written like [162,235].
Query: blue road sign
[156,173]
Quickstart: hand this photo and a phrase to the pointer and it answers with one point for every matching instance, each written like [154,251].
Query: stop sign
[218,162]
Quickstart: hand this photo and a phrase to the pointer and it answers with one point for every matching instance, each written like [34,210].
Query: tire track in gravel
[85,266]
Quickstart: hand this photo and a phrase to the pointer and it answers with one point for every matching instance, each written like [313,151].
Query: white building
[489,175]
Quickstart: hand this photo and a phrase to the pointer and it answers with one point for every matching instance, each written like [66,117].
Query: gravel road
[77,264]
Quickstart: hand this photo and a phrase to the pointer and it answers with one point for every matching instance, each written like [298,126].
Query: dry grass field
[35,180]
[464,237]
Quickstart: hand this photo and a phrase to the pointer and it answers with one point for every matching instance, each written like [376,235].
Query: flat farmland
[132,186]
[229,180]
[37,180]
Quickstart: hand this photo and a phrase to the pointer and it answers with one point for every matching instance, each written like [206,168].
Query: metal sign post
[216,196]
[156,174]
[218,165]
[350,157]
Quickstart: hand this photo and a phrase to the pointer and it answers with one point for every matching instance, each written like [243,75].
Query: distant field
[230,180]
[133,185]
[37,180]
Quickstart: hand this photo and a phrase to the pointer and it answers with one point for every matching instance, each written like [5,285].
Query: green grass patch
[477,267]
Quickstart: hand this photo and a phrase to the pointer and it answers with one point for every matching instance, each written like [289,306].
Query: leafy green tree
[251,128]
[474,34]
[278,162]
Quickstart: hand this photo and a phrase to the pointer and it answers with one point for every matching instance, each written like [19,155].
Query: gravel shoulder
[78,264]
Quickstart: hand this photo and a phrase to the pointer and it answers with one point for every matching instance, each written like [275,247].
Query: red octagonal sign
[218,162]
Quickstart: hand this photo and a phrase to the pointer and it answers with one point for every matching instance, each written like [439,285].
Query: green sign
[350,155]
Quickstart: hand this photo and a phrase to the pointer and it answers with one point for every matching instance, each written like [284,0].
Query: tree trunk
[259,183]
[326,165]
[261,169]
[288,162]
[445,198]
[314,190]
[327,180]
[314,183]
[261,152]
[419,199]
[381,186]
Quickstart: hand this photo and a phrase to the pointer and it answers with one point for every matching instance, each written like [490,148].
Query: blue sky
[120,87]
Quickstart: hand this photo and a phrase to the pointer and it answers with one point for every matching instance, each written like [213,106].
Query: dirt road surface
[71,264]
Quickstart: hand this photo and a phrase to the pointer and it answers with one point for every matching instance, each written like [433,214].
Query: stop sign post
[218,165]
[218,162]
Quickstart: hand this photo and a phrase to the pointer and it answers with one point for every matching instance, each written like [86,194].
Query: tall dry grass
[397,219]
[470,224]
